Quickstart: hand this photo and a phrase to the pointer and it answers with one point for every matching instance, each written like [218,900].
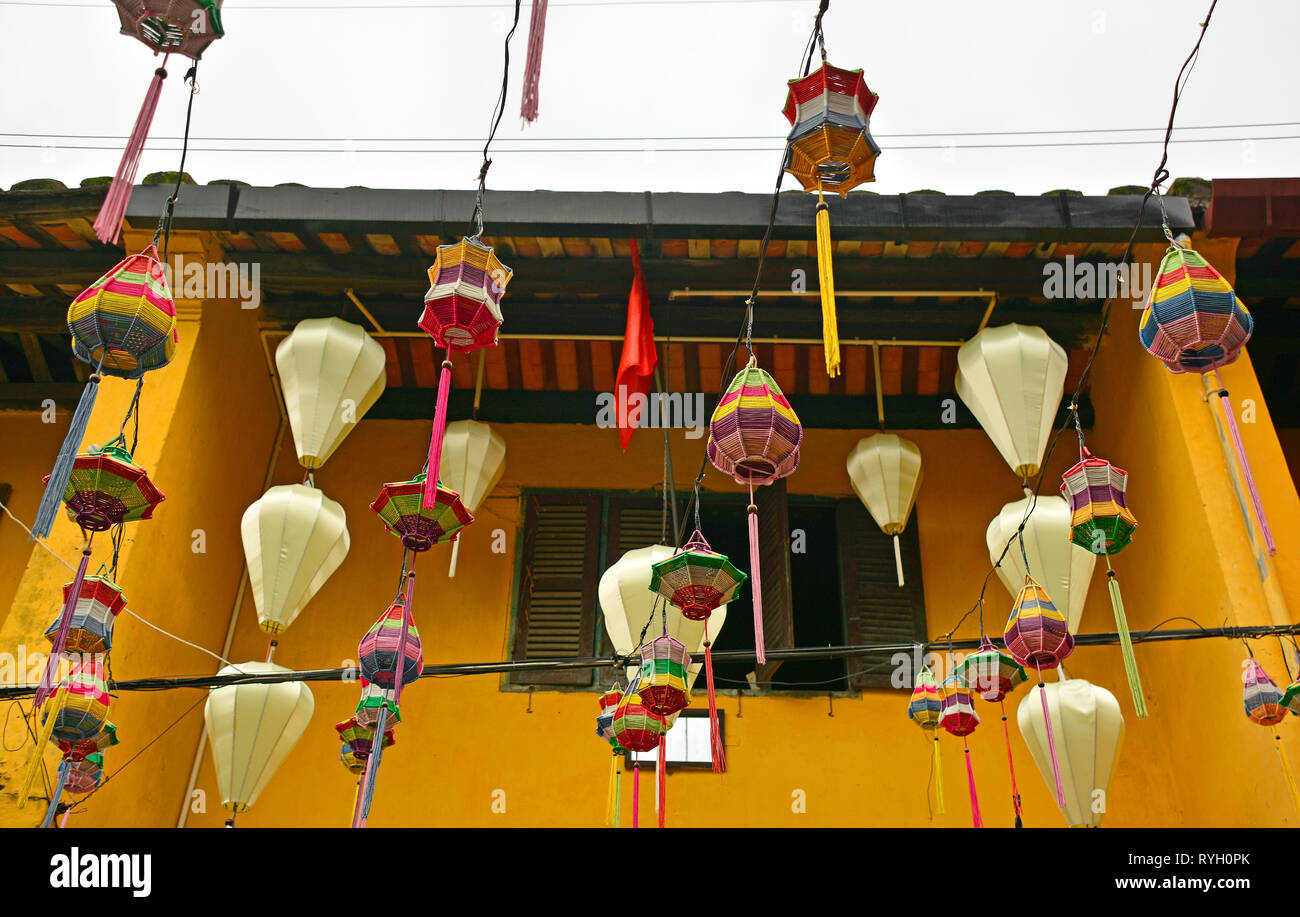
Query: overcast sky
[331,79]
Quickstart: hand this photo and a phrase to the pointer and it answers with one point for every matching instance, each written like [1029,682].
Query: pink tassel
[661,776]
[715,734]
[974,799]
[108,225]
[636,794]
[533,67]
[1240,448]
[65,625]
[1051,743]
[1011,763]
[755,580]
[435,440]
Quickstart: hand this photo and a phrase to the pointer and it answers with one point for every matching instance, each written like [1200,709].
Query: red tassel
[974,799]
[636,794]
[1247,475]
[1051,742]
[715,734]
[108,225]
[661,776]
[435,440]
[65,625]
[1011,763]
[755,580]
[533,67]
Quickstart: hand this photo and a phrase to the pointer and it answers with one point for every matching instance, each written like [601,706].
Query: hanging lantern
[97,606]
[923,710]
[377,651]
[294,537]
[957,715]
[886,474]
[373,698]
[107,488]
[1194,323]
[84,775]
[1012,378]
[331,373]
[184,27]
[639,729]
[1102,523]
[698,581]
[609,702]
[462,311]
[754,436]
[400,507]
[83,748]
[1083,723]
[1263,699]
[830,149]
[358,740]
[663,676]
[81,709]
[252,728]
[605,720]
[1064,568]
[473,460]
[992,674]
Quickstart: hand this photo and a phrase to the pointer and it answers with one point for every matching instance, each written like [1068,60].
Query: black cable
[477,218]
[165,221]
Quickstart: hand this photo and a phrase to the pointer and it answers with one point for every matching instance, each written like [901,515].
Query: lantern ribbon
[974,798]
[611,795]
[1125,643]
[1051,741]
[938,774]
[64,767]
[108,225]
[661,779]
[1011,763]
[533,65]
[826,283]
[1242,460]
[636,793]
[755,579]
[57,483]
[430,499]
[65,625]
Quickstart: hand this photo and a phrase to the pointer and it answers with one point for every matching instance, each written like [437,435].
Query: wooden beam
[28,396]
[35,357]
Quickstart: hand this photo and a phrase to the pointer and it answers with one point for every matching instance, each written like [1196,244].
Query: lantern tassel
[755,580]
[636,794]
[618,799]
[65,625]
[715,734]
[435,440]
[661,779]
[1051,742]
[898,562]
[108,225]
[1240,448]
[976,818]
[1011,763]
[372,769]
[52,810]
[938,775]
[533,66]
[42,739]
[57,482]
[1290,776]
[455,552]
[826,281]
[1125,643]
[611,794]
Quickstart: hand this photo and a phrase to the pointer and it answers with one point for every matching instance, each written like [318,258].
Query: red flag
[637,365]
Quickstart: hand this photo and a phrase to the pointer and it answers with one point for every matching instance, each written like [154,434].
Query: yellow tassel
[938,774]
[1125,643]
[1290,777]
[611,795]
[826,279]
[51,708]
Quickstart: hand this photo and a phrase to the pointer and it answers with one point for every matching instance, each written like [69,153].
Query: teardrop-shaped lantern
[886,473]
[252,728]
[472,461]
[1012,378]
[1062,568]
[331,372]
[295,537]
[1087,727]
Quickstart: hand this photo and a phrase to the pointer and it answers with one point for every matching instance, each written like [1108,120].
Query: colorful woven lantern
[97,606]
[957,715]
[84,775]
[400,506]
[637,728]
[373,698]
[830,149]
[473,460]
[81,710]
[1266,705]
[462,311]
[698,581]
[83,748]
[992,674]
[754,437]
[885,471]
[609,702]
[1194,322]
[1062,567]
[663,676]
[358,740]
[923,709]
[1102,523]
[184,27]
[377,652]
[107,488]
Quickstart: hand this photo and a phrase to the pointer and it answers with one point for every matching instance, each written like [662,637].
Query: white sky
[658,68]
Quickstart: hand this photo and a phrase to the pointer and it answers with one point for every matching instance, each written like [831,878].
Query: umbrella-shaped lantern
[97,606]
[886,474]
[400,506]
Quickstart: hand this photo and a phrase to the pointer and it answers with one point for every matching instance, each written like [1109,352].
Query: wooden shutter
[634,523]
[876,610]
[557,591]
[774,564]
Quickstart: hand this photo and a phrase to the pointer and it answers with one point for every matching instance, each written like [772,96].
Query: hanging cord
[165,221]
[477,219]
[817,38]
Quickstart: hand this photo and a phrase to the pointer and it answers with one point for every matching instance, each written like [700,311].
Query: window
[688,741]
[828,579]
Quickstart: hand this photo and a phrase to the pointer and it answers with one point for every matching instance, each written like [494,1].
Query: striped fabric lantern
[473,461]
[107,488]
[97,606]
[1266,705]
[373,698]
[462,311]
[754,437]
[123,324]
[609,702]
[663,676]
[993,674]
[377,652]
[1102,523]
[697,581]
[400,506]
[81,710]
[830,149]
[957,715]
[923,709]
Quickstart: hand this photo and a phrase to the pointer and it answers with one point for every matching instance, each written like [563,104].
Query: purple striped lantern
[377,652]
[957,715]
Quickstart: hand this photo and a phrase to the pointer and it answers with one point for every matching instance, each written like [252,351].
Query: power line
[314,8]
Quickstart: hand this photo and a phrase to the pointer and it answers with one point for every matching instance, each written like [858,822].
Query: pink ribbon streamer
[974,799]
[65,625]
[1240,448]
[755,580]
[108,224]
[430,498]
